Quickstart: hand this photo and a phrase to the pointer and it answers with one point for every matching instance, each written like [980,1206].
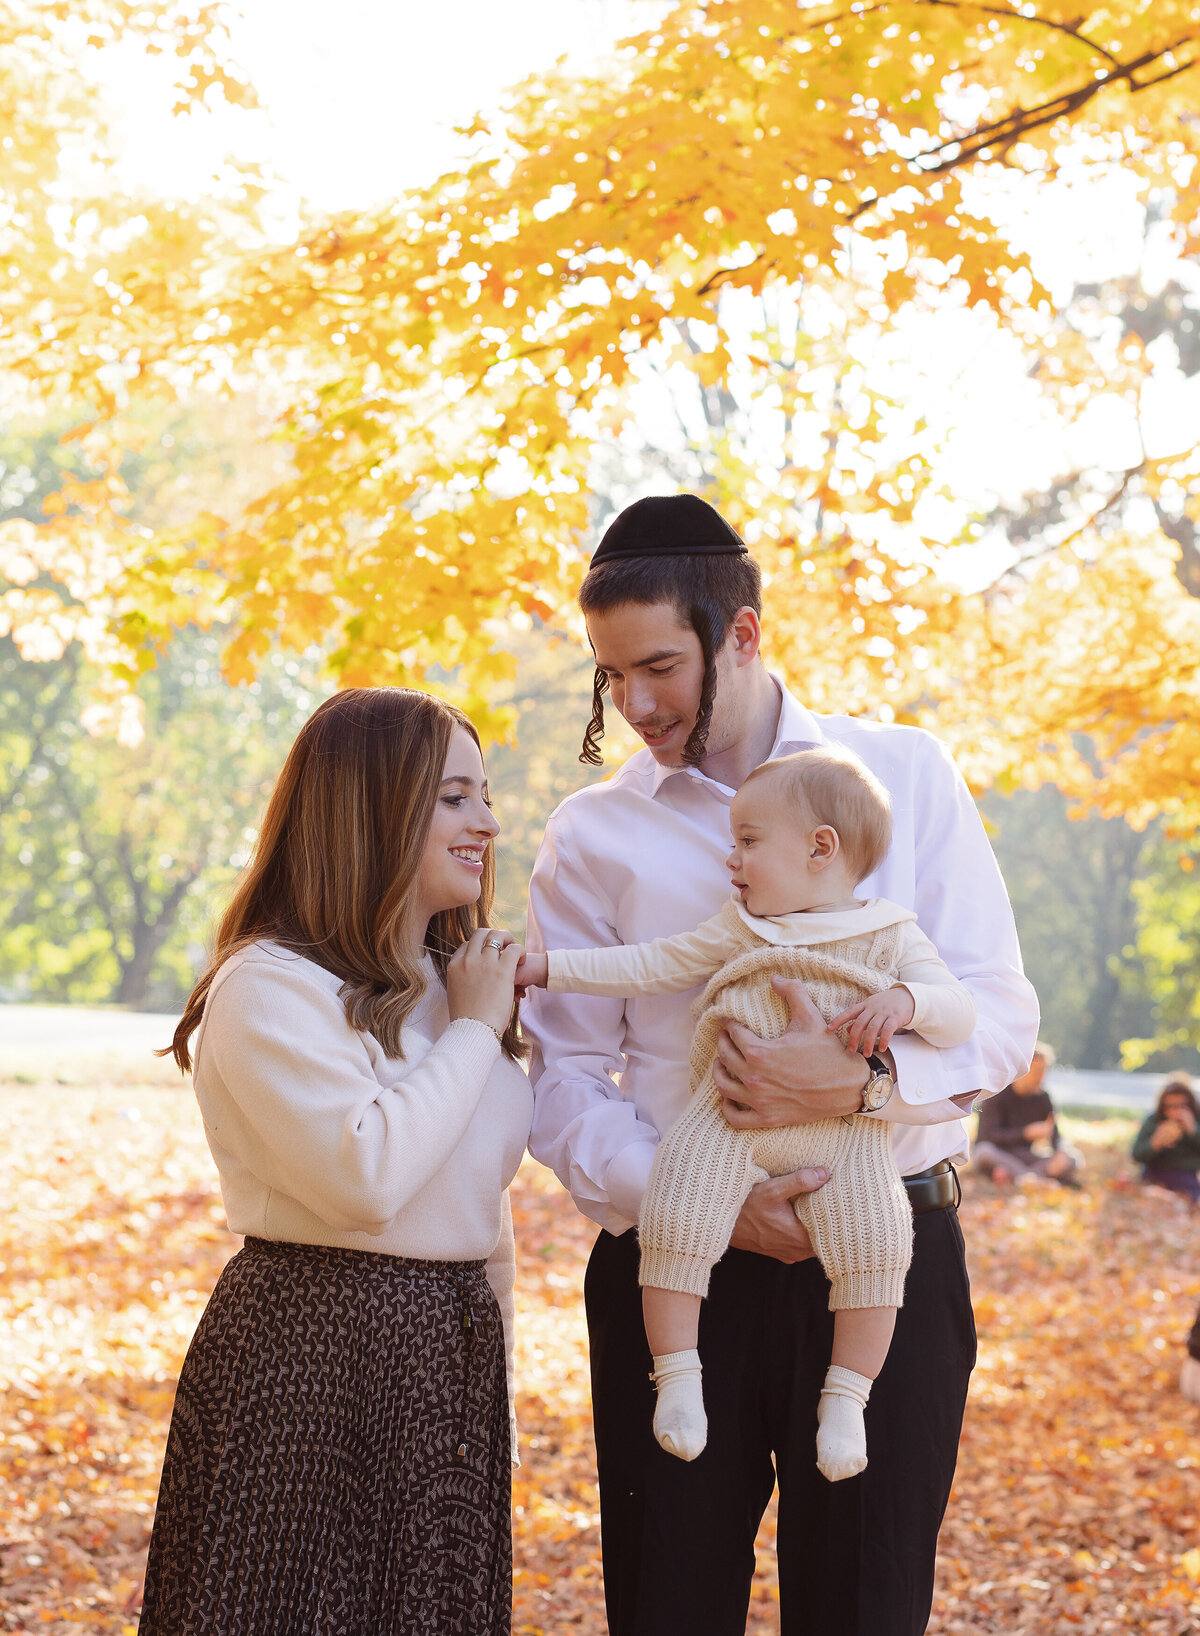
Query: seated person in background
[1018,1133]
[1189,1375]
[1168,1144]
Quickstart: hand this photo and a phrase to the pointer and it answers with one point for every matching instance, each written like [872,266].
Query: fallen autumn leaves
[1076,1502]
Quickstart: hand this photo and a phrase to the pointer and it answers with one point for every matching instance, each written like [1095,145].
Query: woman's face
[461,831]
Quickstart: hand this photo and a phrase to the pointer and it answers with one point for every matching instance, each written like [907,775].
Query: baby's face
[770,860]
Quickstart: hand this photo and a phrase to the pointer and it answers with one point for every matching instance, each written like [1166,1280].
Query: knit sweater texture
[860,1222]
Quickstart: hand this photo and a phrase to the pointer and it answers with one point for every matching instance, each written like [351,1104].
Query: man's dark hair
[705,591]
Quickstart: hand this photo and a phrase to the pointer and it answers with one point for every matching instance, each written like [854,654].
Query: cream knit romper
[860,1222]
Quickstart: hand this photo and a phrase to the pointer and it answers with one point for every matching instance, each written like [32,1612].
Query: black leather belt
[933,1189]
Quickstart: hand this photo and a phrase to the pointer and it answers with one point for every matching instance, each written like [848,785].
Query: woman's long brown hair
[335,867]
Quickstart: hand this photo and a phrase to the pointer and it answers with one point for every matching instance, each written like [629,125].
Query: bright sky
[361,97]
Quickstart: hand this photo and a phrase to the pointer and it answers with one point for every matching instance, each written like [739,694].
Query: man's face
[655,668]
[1026,1084]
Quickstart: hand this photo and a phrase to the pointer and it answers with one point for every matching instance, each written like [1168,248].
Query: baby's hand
[532,970]
[870,1024]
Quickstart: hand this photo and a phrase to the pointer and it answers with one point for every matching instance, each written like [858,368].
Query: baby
[807,829]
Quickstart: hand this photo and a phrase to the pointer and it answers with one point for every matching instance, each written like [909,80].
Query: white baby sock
[841,1433]
[680,1423]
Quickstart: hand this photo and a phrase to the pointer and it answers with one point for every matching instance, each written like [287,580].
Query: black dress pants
[855,1558]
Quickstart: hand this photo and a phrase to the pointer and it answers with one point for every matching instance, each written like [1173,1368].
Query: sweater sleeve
[944,1011]
[1142,1150]
[308,1114]
[668,965]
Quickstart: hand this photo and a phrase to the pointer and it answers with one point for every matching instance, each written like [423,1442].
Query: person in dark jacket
[1189,1375]
[1168,1144]
[1018,1134]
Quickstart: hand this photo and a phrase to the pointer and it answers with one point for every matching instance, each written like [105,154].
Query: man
[672,603]
[1018,1133]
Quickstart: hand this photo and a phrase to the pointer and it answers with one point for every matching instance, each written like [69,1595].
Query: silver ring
[493,943]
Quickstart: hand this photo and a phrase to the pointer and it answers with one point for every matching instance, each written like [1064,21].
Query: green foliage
[115,855]
[1101,910]
[1168,949]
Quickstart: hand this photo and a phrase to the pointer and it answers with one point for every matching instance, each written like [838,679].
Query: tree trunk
[148,937]
[1114,931]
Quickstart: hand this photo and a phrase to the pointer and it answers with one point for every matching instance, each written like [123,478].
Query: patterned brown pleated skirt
[338,1462]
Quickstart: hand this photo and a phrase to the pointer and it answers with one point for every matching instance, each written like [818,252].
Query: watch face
[876,1092]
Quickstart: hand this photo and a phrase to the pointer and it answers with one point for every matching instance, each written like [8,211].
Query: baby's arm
[927,999]
[666,966]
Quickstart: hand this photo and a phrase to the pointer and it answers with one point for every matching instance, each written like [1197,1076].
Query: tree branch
[1003,12]
[99,895]
[1019,122]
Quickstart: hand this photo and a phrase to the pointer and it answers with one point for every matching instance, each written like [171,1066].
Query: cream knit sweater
[859,1221]
[320,1138]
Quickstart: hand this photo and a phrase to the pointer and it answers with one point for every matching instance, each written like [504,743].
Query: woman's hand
[480,978]
[1165,1134]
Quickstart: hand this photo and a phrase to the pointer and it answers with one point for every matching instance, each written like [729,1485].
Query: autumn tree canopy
[744,204]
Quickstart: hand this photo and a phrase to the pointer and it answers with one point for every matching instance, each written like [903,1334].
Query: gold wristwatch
[879,1086]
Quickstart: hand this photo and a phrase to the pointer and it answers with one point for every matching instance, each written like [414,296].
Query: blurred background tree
[114,856]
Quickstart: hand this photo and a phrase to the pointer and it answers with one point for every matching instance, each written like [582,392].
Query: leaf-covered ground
[1079,1482]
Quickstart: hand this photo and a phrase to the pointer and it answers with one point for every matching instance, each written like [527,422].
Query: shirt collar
[797,729]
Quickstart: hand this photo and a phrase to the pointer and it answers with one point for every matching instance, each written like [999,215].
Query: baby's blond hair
[835,788]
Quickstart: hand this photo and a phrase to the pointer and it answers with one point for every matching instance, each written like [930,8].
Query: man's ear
[744,636]
[824,846]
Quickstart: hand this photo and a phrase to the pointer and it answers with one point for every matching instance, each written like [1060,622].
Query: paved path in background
[83,1028]
[1103,1088]
[67,1043]
[52,1033]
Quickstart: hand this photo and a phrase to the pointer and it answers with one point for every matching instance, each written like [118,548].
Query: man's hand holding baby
[801,1076]
[870,1024]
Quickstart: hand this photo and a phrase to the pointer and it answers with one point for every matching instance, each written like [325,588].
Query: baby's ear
[824,845]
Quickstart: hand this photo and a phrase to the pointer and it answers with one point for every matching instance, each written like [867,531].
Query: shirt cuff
[922,1095]
[923,1075]
[628,1177]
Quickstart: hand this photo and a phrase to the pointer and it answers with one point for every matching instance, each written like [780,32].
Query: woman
[339,1453]
[1168,1144]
